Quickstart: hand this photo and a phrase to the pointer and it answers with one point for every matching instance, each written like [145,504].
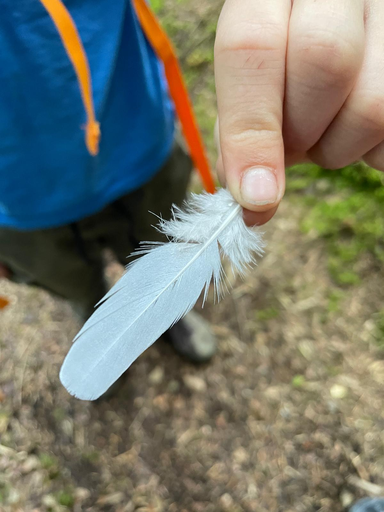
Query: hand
[296,80]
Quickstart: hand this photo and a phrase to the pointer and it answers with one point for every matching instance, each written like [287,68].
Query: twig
[364,485]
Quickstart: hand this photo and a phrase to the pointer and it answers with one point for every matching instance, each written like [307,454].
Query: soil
[287,417]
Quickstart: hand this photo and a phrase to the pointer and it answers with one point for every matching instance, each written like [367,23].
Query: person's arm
[296,80]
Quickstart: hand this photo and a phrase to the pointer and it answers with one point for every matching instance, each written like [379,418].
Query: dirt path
[288,417]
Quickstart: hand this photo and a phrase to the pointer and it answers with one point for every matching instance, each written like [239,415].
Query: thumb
[250,54]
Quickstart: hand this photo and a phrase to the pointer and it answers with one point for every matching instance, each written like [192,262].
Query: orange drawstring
[178,91]
[73,46]
[163,47]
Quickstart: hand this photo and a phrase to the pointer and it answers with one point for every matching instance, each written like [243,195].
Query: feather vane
[158,289]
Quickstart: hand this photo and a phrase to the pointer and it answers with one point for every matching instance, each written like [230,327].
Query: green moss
[66,498]
[347,211]
[333,371]
[47,460]
[59,414]
[266,314]
[50,464]
[4,492]
[199,56]
[334,299]
[157,5]
[298,381]
[91,456]
[379,335]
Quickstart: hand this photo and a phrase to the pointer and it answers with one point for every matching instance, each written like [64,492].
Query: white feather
[158,289]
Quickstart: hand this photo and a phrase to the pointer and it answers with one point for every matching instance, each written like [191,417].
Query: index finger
[250,54]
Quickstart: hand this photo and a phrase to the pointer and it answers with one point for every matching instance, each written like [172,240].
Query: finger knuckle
[249,36]
[375,158]
[266,137]
[369,110]
[332,56]
[328,160]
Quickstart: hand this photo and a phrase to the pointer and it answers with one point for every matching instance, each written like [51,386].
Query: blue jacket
[47,177]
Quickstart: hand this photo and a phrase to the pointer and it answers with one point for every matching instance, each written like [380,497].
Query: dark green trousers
[68,260]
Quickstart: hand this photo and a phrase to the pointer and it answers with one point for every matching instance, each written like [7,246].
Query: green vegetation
[346,210]
[157,5]
[266,314]
[92,456]
[50,464]
[194,47]
[334,300]
[66,498]
[4,491]
[379,334]
[59,414]
[47,461]
[298,381]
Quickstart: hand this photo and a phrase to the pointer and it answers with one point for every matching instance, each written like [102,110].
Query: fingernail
[259,186]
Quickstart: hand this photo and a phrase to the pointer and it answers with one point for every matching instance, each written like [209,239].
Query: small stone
[49,501]
[22,455]
[206,430]
[173,386]
[114,498]
[186,437]
[332,407]
[273,394]
[129,507]
[139,402]
[82,494]
[226,501]
[13,497]
[30,464]
[162,402]
[36,480]
[240,455]
[4,421]
[307,349]
[221,422]
[67,427]
[5,450]
[195,383]
[338,391]
[217,472]
[285,412]
[156,376]
[346,498]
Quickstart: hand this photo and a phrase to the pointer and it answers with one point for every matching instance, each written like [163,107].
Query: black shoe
[192,338]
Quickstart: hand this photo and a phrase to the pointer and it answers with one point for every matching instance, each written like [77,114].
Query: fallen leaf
[3,302]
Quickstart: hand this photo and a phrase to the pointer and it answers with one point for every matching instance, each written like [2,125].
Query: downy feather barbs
[159,288]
